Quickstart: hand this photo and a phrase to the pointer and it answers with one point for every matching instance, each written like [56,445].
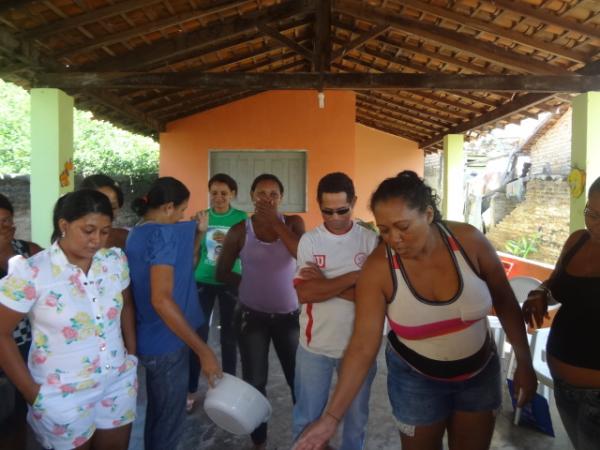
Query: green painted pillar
[51,157]
[453,201]
[585,148]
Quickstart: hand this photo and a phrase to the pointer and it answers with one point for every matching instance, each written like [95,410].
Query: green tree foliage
[100,147]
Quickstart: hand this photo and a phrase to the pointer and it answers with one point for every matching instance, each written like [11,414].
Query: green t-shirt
[218,226]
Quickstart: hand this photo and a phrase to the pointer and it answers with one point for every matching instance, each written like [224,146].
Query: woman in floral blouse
[81,380]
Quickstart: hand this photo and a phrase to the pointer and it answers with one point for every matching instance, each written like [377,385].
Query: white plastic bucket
[236,406]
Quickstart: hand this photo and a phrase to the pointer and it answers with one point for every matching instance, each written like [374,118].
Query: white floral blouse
[75,318]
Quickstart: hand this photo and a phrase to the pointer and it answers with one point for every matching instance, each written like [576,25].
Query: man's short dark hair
[335,182]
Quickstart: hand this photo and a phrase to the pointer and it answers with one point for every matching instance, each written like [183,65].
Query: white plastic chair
[538,355]
[521,287]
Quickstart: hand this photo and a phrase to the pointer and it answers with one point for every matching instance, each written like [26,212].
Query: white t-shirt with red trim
[326,327]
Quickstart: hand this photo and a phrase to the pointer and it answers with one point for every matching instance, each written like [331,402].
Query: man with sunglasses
[329,260]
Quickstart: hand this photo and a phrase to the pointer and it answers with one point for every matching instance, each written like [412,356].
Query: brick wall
[545,209]
[547,201]
[551,154]
[16,188]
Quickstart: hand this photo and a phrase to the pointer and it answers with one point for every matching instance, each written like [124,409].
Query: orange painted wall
[272,120]
[381,155]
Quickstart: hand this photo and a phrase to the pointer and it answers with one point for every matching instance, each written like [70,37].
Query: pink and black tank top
[447,340]
[268,271]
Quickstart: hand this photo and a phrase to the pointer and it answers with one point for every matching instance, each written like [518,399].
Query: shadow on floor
[201,433]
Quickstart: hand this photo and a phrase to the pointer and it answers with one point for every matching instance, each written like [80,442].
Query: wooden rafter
[521,103]
[398,104]
[147,28]
[163,51]
[14,4]
[366,103]
[146,102]
[407,82]
[525,101]
[24,51]
[359,41]
[275,34]
[322,53]
[60,26]
[448,38]
[490,27]
[548,18]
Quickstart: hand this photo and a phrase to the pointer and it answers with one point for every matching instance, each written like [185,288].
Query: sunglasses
[339,211]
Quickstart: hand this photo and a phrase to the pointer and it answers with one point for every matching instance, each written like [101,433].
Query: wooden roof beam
[157,25]
[25,51]
[95,15]
[386,128]
[14,4]
[422,51]
[163,51]
[406,113]
[525,101]
[274,81]
[322,53]
[490,27]
[196,109]
[423,69]
[366,102]
[547,17]
[396,104]
[276,35]
[513,107]
[448,38]
[267,62]
[376,31]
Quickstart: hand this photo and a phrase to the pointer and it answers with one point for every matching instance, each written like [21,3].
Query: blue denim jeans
[419,400]
[579,410]
[166,387]
[312,383]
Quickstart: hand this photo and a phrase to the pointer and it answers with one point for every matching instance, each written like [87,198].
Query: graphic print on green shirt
[212,243]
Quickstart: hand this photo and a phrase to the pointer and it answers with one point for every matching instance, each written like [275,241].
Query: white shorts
[65,416]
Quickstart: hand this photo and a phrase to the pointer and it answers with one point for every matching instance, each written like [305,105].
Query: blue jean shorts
[419,400]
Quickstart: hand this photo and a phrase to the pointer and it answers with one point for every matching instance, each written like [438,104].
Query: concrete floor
[201,433]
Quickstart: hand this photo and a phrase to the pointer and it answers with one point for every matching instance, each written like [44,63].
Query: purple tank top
[267,275]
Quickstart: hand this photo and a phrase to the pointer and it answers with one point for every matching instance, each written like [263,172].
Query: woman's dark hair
[335,182]
[6,204]
[595,187]
[225,179]
[99,181]
[408,186]
[266,177]
[163,190]
[75,205]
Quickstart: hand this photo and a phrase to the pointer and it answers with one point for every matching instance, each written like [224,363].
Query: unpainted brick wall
[545,210]
[16,188]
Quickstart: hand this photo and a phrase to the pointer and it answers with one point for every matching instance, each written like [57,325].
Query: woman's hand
[524,383]
[266,211]
[32,393]
[536,307]
[318,434]
[210,367]
[201,218]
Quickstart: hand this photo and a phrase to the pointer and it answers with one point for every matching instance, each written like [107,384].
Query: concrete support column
[585,149]
[453,201]
[51,157]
